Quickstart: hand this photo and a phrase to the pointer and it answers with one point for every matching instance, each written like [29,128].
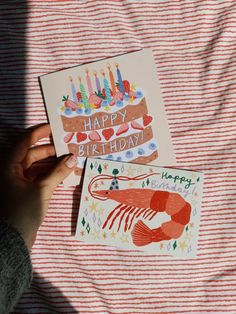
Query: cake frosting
[109,123]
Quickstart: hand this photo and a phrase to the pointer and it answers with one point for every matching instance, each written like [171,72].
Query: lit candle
[97,82]
[89,83]
[112,81]
[83,93]
[73,90]
[122,89]
[106,86]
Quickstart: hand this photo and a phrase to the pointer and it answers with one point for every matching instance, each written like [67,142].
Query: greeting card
[140,207]
[110,109]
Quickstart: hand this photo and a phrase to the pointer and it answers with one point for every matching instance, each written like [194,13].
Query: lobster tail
[141,234]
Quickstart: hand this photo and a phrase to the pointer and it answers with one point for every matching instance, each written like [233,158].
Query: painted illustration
[111,109]
[146,203]
[153,208]
[111,121]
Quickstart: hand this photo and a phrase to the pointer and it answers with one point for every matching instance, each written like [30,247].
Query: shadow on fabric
[13,51]
[44,298]
[13,18]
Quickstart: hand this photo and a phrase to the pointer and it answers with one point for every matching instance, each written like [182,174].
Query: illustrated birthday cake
[109,122]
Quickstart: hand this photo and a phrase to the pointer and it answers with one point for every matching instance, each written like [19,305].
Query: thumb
[59,173]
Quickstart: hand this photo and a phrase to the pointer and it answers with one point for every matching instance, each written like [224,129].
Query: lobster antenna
[109,177]
[93,181]
[139,177]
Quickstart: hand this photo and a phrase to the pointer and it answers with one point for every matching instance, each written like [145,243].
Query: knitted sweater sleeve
[15,267]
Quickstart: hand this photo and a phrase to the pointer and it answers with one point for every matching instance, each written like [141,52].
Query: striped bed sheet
[194,44]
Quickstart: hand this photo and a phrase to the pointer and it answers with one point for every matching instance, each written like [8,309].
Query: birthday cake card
[110,109]
[140,207]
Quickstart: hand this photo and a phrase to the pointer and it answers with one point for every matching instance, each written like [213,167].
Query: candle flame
[70,78]
[95,73]
[86,70]
[117,64]
[102,72]
[108,66]
[79,78]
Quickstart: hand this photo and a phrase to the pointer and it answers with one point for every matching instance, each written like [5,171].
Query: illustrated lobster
[146,203]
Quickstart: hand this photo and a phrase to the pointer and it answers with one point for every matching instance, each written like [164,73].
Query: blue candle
[107,90]
[97,82]
[122,89]
[106,87]
[73,91]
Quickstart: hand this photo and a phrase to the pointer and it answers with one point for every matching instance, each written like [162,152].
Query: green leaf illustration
[175,245]
[100,168]
[99,94]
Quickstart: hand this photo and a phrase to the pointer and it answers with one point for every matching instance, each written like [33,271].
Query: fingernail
[71,161]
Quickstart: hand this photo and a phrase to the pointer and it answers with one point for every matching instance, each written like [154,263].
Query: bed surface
[194,44]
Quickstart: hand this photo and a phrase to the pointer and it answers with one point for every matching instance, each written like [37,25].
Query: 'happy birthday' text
[180,179]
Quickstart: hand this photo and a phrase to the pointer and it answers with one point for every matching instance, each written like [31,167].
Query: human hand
[26,194]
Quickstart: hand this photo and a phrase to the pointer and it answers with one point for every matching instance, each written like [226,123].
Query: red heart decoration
[81,137]
[108,133]
[147,119]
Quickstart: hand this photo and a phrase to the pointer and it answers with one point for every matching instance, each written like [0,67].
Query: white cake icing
[66,112]
[122,156]
[110,132]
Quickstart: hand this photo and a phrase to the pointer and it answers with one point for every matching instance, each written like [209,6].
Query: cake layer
[122,143]
[127,155]
[107,134]
[138,160]
[100,120]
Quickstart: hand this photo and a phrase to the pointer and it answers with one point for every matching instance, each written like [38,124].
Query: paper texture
[110,109]
[140,207]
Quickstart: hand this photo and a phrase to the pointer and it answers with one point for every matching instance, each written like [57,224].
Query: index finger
[37,134]
[30,139]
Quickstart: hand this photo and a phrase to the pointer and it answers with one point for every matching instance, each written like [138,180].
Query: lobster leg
[138,212]
[145,211]
[134,214]
[128,208]
[141,212]
[127,219]
[109,216]
[124,207]
[153,215]
[150,211]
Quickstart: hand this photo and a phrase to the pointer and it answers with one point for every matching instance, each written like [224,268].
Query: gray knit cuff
[15,267]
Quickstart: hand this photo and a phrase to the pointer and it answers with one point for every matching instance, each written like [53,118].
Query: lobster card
[140,207]
[110,109]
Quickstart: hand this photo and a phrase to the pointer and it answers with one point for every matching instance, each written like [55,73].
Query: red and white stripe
[194,46]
